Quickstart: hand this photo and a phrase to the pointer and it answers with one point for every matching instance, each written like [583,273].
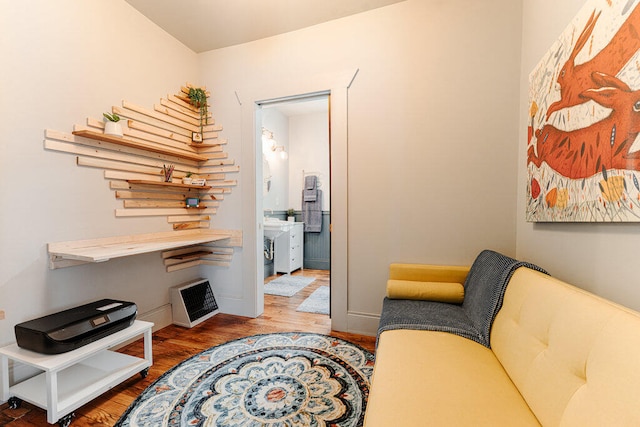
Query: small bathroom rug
[287,285]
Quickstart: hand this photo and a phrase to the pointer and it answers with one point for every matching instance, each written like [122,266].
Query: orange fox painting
[584,116]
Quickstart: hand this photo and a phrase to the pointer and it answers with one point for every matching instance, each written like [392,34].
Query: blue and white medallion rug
[274,380]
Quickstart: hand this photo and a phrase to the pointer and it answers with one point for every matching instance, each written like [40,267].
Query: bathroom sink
[272,220]
[273,227]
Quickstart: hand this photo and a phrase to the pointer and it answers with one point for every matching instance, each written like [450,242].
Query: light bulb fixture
[267,138]
[270,148]
[280,149]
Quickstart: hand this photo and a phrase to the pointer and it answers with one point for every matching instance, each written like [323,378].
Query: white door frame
[337,86]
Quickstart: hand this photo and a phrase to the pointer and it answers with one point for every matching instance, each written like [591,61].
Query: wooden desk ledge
[67,254]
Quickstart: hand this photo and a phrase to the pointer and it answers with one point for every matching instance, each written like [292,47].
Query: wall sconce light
[267,140]
[270,147]
[280,149]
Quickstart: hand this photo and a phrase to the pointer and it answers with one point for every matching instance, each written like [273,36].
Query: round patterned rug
[275,380]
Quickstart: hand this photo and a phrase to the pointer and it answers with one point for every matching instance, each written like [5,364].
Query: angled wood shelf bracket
[218,253]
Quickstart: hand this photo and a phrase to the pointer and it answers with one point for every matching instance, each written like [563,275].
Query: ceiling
[204,25]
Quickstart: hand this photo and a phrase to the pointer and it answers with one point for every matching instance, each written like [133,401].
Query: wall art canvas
[583,154]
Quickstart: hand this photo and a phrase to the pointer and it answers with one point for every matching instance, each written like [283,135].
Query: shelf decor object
[167,172]
[192,202]
[145,168]
[198,97]
[112,126]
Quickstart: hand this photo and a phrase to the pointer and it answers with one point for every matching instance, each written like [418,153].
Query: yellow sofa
[556,356]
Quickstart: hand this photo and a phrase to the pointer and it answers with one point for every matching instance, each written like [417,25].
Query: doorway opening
[295,197]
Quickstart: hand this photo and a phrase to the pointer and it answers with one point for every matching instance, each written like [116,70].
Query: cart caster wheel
[66,420]
[144,373]
[14,403]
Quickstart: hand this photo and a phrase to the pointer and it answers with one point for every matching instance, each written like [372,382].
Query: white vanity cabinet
[289,249]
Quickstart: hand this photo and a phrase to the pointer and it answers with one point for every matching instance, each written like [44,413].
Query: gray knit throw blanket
[484,291]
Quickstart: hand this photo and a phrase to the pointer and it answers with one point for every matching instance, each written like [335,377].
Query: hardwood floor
[173,344]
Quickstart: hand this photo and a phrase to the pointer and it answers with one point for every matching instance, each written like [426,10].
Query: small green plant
[188,175]
[198,98]
[291,212]
[112,117]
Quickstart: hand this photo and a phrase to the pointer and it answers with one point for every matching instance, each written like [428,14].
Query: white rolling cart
[69,380]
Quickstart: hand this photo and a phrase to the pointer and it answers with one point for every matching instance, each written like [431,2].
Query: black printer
[70,329]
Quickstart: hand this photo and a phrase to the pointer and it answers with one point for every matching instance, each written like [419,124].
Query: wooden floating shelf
[203,144]
[66,254]
[133,144]
[131,163]
[168,184]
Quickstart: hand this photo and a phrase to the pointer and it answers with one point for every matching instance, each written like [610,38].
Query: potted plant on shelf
[112,125]
[198,98]
[187,178]
[291,215]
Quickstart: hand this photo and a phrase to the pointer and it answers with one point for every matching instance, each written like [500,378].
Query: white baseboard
[234,306]
[363,323]
[160,317]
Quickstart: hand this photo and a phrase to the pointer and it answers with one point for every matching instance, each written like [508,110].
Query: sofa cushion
[452,293]
[440,379]
[573,356]
[428,272]
[427,316]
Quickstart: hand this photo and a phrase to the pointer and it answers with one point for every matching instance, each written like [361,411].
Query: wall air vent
[192,303]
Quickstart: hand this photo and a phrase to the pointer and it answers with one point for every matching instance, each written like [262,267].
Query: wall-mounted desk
[66,254]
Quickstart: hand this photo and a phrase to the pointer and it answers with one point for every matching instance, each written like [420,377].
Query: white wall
[306,140]
[277,199]
[434,167]
[309,151]
[64,61]
[432,122]
[601,258]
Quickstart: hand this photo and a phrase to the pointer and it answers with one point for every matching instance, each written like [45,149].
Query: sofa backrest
[574,357]
[484,289]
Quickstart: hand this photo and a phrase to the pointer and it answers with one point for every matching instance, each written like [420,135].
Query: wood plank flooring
[173,344]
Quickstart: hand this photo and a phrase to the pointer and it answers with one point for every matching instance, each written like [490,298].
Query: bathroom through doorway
[295,159]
